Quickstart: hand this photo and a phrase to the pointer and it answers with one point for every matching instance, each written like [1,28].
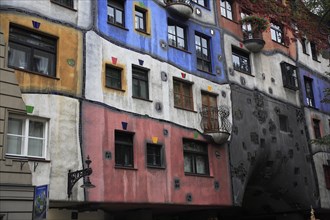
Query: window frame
[143,19]
[25,136]
[109,67]
[159,148]
[289,76]
[316,128]
[175,35]
[241,55]
[193,155]
[182,95]
[204,4]
[211,117]
[326,170]
[16,42]
[224,7]
[277,31]
[286,123]
[140,74]
[304,46]
[205,61]
[313,51]
[121,147]
[69,5]
[116,6]
[308,82]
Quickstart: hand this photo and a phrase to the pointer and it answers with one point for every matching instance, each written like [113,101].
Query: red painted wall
[142,184]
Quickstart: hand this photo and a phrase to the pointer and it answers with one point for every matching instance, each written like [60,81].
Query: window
[226,9]
[210,112]
[66,3]
[203,53]
[154,155]
[124,149]
[140,19]
[183,97]
[201,2]
[313,51]
[276,33]
[309,91]
[326,170]
[176,36]
[195,157]
[283,123]
[116,12]
[246,27]
[26,136]
[113,77]
[241,61]
[140,82]
[289,75]
[32,51]
[304,45]
[316,127]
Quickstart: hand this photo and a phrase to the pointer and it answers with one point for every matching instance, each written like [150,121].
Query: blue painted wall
[319,85]
[150,44]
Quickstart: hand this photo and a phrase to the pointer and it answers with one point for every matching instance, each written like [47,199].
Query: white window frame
[25,136]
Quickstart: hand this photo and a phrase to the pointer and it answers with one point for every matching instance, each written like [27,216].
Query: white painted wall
[100,51]
[63,150]
[81,15]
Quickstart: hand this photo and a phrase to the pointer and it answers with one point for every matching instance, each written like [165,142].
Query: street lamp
[73,177]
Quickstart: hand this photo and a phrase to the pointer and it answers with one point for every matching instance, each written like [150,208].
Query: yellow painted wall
[69,46]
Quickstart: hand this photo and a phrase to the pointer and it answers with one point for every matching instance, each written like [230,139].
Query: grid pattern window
[283,123]
[124,149]
[26,136]
[154,155]
[313,51]
[195,157]
[203,53]
[246,27]
[200,2]
[326,169]
[183,96]
[66,3]
[176,36]
[32,51]
[140,19]
[276,32]
[140,83]
[241,61]
[317,129]
[289,75]
[226,9]
[113,77]
[116,12]
[309,91]
[210,112]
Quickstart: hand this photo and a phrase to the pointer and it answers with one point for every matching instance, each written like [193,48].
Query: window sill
[64,6]
[306,54]
[125,168]
[312,107]
[290,87]
[189,110]
[31,72]
[113,88]
[118,26]
[147,100]
[316,60]
[142,32]
[186,51]
[282,44]
[198,175]
[203,71]
[246,73]
[228,19]
[156,167]
[26,158]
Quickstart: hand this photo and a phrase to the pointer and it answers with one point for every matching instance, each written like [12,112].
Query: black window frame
[313,51]
[66,3]
[138,75]
[111,74]
[278,31]
[283,123]
[316,128]
[326,169]
[204,61]
[304,45]
[241,55]
[154,155]
[309,91]
[193,155]
[143,18]
[124,145]
[198,2]
[289,76]
[224,7]
[116,6]
[20,39]
[183,96]
[176,36]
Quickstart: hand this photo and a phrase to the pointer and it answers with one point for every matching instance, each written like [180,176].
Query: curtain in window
[42,64]
[35,145]
[15,136]
[17,58]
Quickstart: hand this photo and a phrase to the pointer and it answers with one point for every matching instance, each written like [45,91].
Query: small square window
[195,157]
[113,77]
[289,75]
[226,9]
[124,149]
[140,19]
[277,33]
[183,97]
[116,12]
[154,155]
[283,123]
[140,82]
[241,61]
[66,3]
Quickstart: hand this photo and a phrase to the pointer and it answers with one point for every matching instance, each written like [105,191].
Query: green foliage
[259,24]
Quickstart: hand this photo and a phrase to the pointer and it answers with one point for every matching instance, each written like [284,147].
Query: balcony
[215,123]
[182,8]
[253,41]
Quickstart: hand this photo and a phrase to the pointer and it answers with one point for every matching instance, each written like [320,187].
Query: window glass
[124,149]
[183,94]
[116,12]
[200,2]
[309,91]
[226,9]
[210,112]
[203,53]
[241,61]
[195,157]
[289,75]
[140,83]
[67,3]
[176,36]
[276,33]
[283,123]
[140,19]
[113,77]
[154,157]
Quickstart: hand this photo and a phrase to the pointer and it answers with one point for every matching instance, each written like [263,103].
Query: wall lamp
[73,177]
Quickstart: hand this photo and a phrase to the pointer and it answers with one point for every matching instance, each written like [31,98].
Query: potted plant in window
[254,25]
